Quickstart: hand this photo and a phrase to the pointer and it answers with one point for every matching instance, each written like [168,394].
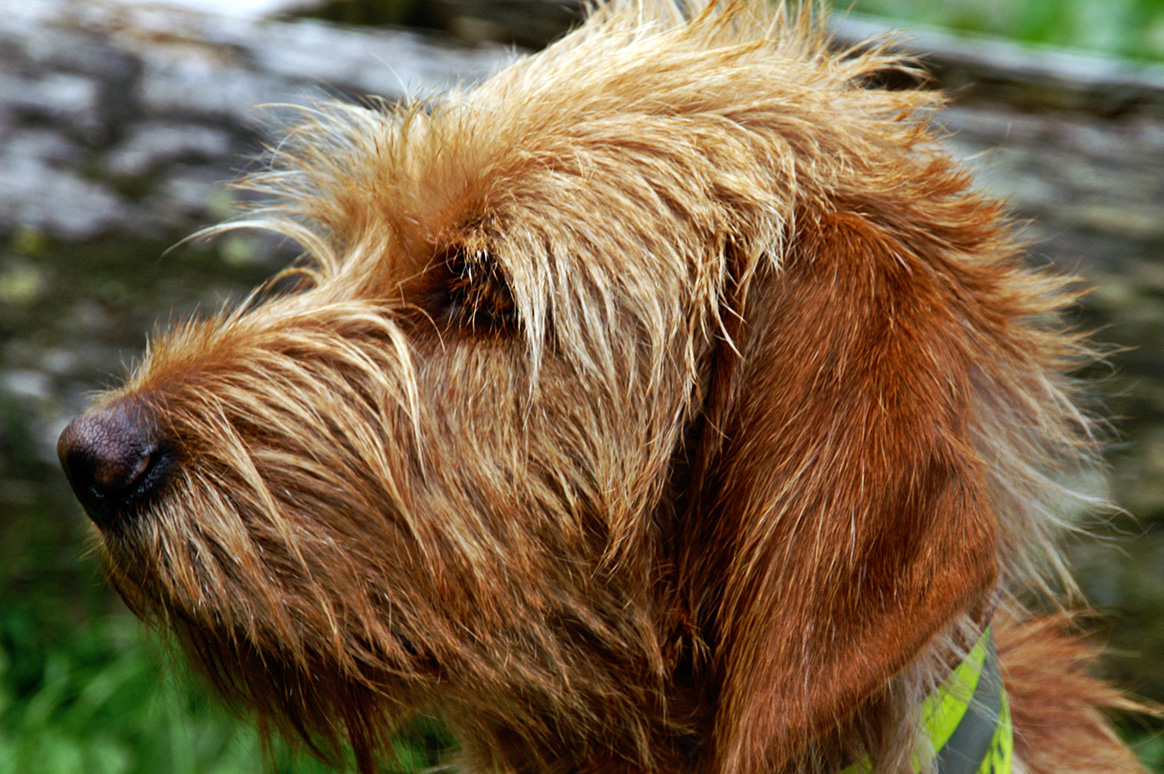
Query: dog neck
[966,720]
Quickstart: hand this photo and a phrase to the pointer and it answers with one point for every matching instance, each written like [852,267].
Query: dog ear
[841,498]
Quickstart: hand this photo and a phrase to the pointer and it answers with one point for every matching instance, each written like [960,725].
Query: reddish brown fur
[669,402]
[1055,704]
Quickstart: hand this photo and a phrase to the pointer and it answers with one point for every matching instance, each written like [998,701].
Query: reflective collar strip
[967,719]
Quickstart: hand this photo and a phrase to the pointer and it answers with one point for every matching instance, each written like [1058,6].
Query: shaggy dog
[669,402]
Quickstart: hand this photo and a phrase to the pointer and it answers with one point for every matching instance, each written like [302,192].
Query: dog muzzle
[966,720]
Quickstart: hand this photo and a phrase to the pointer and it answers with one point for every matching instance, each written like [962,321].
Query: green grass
[1149,745]
[102,701]
[109,699]
[1127,28]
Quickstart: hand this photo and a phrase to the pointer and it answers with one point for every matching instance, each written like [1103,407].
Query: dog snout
[115,460]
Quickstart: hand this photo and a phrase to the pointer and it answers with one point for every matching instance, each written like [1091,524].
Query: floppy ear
[842,501]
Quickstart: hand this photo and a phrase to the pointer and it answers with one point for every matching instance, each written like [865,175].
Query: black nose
[115,460]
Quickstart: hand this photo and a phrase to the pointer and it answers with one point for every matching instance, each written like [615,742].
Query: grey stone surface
[107,108]
[152,147]
[39,189]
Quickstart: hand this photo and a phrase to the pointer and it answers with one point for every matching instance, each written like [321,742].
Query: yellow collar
[966,720]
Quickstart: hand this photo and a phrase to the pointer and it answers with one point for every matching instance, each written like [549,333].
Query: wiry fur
[669,402]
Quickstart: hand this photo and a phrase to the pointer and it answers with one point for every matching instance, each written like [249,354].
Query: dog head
[659,402]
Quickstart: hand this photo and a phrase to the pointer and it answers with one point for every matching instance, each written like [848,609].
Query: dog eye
[478,296]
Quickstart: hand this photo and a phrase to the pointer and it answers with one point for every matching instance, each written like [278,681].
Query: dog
[668,402]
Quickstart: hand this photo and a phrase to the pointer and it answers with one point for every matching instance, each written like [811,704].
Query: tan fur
[669,402]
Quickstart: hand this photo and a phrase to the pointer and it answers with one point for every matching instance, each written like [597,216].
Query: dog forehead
[572,117]
[619,157]
[464,177]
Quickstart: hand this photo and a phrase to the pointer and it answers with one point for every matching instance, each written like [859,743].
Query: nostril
[113,457]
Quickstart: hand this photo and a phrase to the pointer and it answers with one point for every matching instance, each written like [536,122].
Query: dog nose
[114,459]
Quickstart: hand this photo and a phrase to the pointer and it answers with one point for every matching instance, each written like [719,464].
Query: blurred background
[121,122]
